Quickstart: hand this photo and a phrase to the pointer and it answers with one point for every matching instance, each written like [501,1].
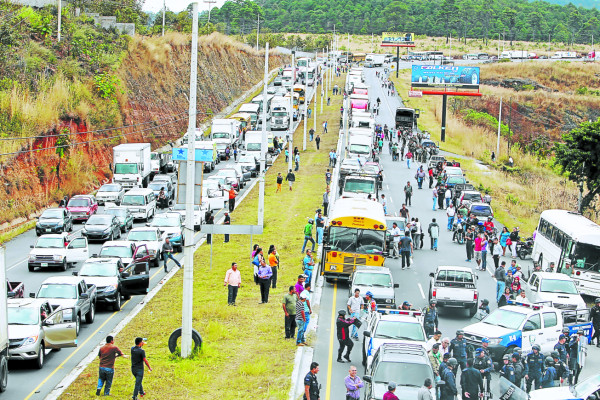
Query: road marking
[79,347]
[332,329]
[18,263]
[422,292]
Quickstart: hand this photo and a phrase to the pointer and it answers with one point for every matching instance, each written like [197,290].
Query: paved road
[414,282]
[25,382]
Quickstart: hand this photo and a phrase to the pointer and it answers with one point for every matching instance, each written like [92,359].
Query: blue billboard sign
[445,75]
[201,155]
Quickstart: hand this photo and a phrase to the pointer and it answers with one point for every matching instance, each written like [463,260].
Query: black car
[123,215]
[54,220]
[102,227]
[277,81]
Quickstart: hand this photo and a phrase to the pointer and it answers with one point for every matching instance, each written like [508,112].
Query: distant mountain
[578,3]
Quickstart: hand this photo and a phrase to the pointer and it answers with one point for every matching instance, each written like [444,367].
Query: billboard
[398,39]
[444,75]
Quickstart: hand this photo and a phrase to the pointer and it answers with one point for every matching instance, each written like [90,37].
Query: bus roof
[575,225]
[365,213]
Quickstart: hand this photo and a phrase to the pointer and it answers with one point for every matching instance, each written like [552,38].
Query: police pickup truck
[523,325]
[454,287]
[392,326]
[586,390]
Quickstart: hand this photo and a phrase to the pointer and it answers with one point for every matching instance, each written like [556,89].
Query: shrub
[106,86]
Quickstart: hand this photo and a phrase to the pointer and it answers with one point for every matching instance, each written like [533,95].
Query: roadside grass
[244,353]
[519,194]
[10,234]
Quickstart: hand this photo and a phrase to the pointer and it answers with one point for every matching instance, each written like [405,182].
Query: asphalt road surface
[414,282]
[25,382]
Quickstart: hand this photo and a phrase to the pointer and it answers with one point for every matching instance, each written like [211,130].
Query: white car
[152,238]
[212,195]
[557,288]
[581,391]
[126,250]
[199,213]
[110,192]
[248,164]
[57,251]
[171,225]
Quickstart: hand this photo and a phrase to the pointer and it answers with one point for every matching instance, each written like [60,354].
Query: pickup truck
[559,289]
[34,327]
[454,287]
[70,292]
[15,290]
[588,389]
[379,281]
[57,251]
[113,280]
[523,325]
[82,206]
[127,251]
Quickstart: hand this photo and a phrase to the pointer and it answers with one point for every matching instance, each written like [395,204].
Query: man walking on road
[406,249]
[471,382]
[408,191]
[434,234]
[289,309]
[107,354]
[233,281]
[458,348]
[227,221]
[167,253]
[232,194]
[430,319]
[450,213]
[500,276]
[355,304]
[396,234]
[343,327]
[448,375]
[469,240]
[138,359]
[353,384]
[291,178]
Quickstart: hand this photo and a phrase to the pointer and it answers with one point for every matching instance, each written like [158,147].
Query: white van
[141,202]
[360,145]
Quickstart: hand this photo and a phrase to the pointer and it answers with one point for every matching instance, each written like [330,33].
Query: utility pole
[188,267]
[509,126]
[499,125]
[257,30]
[263,145]
[164,11]
[316,89]
[580,195]
[209,2]
[59,17]
[291,127]
[306,105]
[323,82]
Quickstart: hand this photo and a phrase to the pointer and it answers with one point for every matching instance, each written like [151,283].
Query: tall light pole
[59,17]
[257,30]
[209,2]
[263,144]
[164,11]
[305,104]
[188,267]
[291,125]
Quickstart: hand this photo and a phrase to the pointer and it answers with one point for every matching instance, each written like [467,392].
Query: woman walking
[503,239]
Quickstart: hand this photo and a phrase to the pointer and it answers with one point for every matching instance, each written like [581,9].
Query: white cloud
[177,5]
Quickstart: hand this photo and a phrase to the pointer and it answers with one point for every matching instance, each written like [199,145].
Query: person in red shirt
[489,225]
[232,194]
[390,395]
[107,354]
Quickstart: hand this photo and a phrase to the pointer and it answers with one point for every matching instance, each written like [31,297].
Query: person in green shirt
[308,235]
[289,308]
[567,269]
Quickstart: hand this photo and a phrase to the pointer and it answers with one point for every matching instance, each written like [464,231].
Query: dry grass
[244,354]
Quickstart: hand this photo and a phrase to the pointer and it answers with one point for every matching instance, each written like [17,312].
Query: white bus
[566,236]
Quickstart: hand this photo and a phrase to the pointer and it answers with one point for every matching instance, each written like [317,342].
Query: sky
[178,5]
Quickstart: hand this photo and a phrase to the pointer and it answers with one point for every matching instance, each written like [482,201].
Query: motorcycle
[459,232]
[525,248]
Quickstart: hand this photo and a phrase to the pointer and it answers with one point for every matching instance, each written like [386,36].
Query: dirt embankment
[153,101]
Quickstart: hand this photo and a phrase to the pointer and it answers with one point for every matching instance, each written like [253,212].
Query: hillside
[578,3]
[80,97]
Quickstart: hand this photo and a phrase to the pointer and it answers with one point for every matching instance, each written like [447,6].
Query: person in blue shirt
[508,370]
[549,374]
[449,390]
[309,265]
[534,363]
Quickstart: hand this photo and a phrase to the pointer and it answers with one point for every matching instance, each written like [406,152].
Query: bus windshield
[355,240]
[586,256]
[359,186]
[359,149]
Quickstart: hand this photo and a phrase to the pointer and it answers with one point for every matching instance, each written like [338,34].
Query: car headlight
[57,257]
[60,223]
[30,340]
[110,288]
[388,300]
[495,341]
[32,257]
[106,230]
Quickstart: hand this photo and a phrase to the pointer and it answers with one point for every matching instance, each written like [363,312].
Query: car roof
[403,352]
[25,302]
[103,260]
[54,235]
[455,268]
[84,196]
[117,243]
[140,191]
[554,276]
[377,270]
[471,192]
[63,279]
[144,228]
[400,318]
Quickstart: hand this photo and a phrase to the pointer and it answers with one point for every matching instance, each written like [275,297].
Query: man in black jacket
[471,382]
[595,318]
[343,335]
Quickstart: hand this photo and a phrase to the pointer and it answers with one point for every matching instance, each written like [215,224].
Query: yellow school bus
[355,236]
[300,90]
[245,119]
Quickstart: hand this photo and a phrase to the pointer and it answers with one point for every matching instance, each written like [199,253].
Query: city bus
[563,236]
[355,236]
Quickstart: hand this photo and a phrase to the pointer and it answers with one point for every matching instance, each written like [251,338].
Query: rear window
[481,208]
[455,276]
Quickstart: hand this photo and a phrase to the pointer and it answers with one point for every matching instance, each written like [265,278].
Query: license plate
[44,264]
[48,229]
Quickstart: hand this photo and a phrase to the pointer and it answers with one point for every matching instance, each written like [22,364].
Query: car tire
[156,262]
[117,304]
[89,317]
[31,268]
[3,373]
[364,355]
[196,338]
[39,361]
[472,310]
[64,265]
[77,324]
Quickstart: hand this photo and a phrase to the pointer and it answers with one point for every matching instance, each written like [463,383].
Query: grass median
[244,354]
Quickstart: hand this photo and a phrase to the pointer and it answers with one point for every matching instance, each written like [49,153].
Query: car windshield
[23,316]
[52,214]
[116,251]
[279,114]
[404,374]
[163,220]
[359,148]
[156,186]
[126,168]
[133,200]
[118,212]
[57,291]
[372,279]
[359,186]
[455,179]
[247,159]
[222,146]
[253,147]
[98,269]
[399,330]
[354,240]
[505,318]
[472,196]
[99,220]
[220,135]
[78,203]
[558,286]
[481,209]
[109,188]
[587,387]
[371,169]
[50,243]
[147,236]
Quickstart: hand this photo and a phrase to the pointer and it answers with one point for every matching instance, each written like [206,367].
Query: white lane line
[421,290]
[17,264]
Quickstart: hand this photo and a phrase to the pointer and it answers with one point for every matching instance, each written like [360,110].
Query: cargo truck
[132,165]
[225,131]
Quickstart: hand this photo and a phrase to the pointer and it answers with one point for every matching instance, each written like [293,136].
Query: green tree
[579,158]
[510,16]
[63,150]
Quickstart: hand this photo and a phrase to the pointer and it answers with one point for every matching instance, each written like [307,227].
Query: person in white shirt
[355,305]
[396,233]
[448,197]
[522,298]
[436,338]
[450,212]
[445,346]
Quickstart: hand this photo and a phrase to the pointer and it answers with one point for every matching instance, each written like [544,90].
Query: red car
[82,207]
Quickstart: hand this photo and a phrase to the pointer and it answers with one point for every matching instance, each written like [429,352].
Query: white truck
[254,146]
[225,131]
[57,251]
[555,288]
[564,54]
[3,325]
[376,60]
[132,164]
[280,114]
[514,55]
[454,287]
[158,161]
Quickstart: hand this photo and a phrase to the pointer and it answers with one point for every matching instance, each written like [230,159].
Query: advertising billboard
[444,75]
[398,39]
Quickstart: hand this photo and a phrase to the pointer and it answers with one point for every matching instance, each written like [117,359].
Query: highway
[26,382]
[414,282]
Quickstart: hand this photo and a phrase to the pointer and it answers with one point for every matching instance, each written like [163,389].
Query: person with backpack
[434,234]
